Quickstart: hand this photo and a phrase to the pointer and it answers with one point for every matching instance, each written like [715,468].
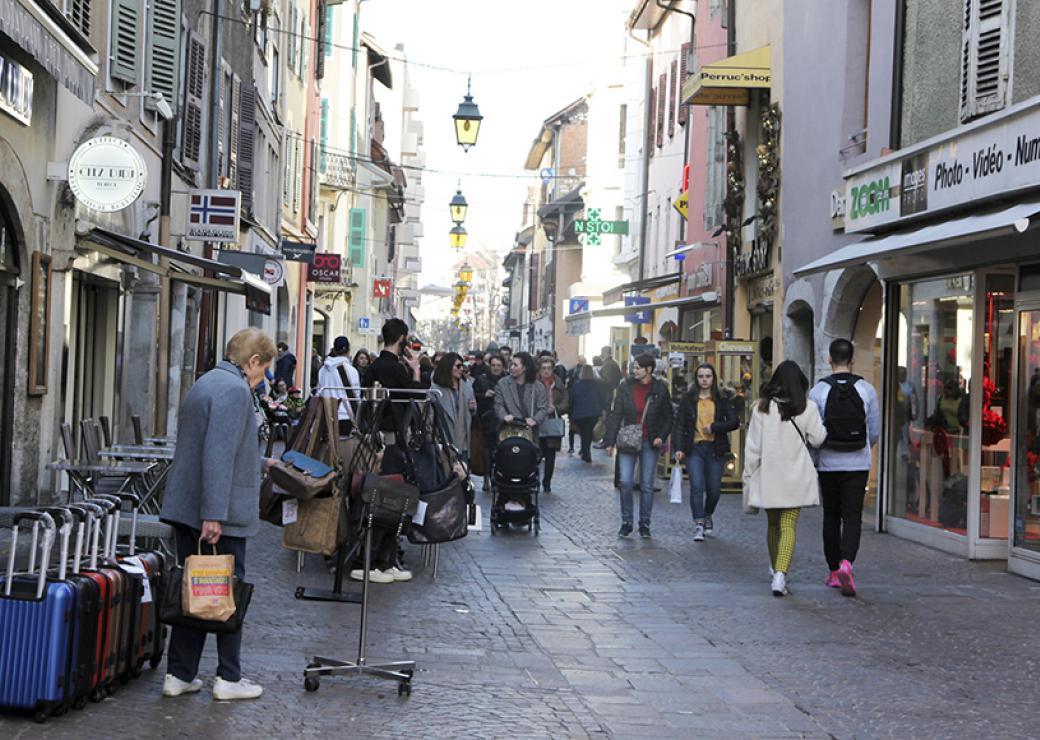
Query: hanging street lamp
[467,120]
[458,237]
[466,274]
[458,207]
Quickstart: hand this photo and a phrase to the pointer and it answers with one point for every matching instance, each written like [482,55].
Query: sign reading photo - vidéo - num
[988,161]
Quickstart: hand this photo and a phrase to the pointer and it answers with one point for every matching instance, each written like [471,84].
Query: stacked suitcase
[76,629]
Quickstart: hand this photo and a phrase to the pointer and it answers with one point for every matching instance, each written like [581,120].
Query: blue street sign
[579,305]
[547,175]
[362,323]
[640,317]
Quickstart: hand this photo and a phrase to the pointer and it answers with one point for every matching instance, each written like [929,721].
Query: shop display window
[998,336]
[929,442]
[1027,484]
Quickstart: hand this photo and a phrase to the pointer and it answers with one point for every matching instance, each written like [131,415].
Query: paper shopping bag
[206,588]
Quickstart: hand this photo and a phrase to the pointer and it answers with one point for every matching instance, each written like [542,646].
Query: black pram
[514,484]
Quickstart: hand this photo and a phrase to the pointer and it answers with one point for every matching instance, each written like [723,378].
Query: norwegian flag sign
[213,215]
[381,287]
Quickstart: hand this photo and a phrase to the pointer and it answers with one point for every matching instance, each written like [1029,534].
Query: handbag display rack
[363,460]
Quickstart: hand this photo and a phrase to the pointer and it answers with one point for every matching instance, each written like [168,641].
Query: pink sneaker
[833,581]
[846,582]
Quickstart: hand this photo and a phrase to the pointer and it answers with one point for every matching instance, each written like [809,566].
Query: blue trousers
[705,471]
[186,644]
[647,458]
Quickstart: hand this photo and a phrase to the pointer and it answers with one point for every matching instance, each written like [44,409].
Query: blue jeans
[705,471]
[626,470]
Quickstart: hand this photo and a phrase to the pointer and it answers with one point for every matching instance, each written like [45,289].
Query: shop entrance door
[1025,465]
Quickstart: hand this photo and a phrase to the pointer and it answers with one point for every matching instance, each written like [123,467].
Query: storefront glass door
[1027,457]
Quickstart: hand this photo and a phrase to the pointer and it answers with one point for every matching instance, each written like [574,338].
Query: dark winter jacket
[658,417]
[726,420]
[586,400]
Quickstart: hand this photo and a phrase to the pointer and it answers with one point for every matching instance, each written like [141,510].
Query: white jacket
[329,379]
[778,470]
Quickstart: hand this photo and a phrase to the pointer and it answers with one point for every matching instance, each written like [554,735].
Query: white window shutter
[298,173]
[985,66]
[126,38]
[163,70]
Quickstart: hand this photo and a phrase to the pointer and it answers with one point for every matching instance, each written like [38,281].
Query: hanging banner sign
[381,287]
[325,268]
[298,251]
[213,215]
[107,174]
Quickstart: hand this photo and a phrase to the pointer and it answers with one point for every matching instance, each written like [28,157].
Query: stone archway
[800,326]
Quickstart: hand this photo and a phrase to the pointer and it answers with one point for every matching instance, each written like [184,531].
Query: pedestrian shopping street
[576,633]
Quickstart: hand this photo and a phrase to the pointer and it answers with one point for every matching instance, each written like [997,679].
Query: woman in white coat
[779,473]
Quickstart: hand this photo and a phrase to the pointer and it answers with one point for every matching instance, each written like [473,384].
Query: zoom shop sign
[981,162]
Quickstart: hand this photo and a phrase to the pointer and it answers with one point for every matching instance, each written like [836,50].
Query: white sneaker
[173,686]
[698,533]
[399,574]
[779,584]
[231,690]
[374,576]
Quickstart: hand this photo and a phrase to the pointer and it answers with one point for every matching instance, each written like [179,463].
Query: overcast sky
[528,60]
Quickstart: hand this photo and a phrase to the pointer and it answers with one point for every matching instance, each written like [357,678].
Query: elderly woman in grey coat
[518,398]
[456,400]
[212,496]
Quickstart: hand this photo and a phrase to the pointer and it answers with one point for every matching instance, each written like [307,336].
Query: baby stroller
[514,484]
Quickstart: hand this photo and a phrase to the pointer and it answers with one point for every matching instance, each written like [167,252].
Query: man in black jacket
[397,367]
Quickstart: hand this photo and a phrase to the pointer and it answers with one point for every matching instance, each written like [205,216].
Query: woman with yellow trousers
[779,474]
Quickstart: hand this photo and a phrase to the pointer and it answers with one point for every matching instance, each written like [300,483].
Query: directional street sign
[682,204]
[592,227]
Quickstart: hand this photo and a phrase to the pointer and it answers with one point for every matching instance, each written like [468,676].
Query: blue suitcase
[36,627]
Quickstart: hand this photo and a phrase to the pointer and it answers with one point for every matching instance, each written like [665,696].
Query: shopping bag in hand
[675,485]
[206,589]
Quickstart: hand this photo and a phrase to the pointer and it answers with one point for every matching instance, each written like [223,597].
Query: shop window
[998,340]
[929,445]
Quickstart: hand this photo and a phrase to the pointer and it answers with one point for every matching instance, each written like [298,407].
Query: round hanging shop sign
[107,174]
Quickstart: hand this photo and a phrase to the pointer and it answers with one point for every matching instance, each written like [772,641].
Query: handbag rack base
[400,670]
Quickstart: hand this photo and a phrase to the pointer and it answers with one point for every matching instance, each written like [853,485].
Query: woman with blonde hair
[779,472]
[213,496]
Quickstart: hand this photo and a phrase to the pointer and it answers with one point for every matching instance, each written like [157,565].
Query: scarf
[548,392]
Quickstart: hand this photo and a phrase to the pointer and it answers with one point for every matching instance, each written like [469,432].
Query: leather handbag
[302,476]
[446,517]
[389,504]
[630,436]
[552,427]
[171,609]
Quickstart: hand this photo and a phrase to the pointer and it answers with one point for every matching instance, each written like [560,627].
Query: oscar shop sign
[985,160]
[107,174]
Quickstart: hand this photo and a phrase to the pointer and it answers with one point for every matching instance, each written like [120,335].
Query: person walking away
[779,475]
[701,440]
[852,416]
[338,379]
[213,495]
[285,365]
[643,400]
[484,391]
[572,379]
[455,398]
[520,399]
[586,407]
[548,440]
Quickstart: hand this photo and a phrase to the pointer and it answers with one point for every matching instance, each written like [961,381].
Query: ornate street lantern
[458,237]
[467,120]
[458,207]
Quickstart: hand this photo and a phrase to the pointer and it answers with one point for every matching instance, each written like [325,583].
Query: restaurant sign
[107,174]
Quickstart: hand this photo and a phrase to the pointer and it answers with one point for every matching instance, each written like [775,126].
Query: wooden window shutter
[194,94]
[327,36]
[312,190]
[163,72]
[984,57]
[126,35]
[297,173]
[622,133]
[246,144]
[662,100]
[221,125]
[286,171]
[672,84]
[684,70]
[236,95]
[324,134]
[78,11]
[651,120]
[292,38]
[305,46]
[321,44]
[356,237]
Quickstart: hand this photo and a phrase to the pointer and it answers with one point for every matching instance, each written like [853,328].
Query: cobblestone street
[577,633]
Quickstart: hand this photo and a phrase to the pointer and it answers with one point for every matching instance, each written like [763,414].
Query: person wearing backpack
[852,416]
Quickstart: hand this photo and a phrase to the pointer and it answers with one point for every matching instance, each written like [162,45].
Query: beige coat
[779,472]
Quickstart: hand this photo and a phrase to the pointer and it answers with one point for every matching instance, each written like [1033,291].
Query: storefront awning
[947,233]
[727,81]
[378,61]
[618,293]
[230,279]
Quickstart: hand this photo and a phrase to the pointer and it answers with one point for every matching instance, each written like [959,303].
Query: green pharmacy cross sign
[592,227]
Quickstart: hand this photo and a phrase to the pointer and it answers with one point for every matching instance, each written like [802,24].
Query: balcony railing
[337,170]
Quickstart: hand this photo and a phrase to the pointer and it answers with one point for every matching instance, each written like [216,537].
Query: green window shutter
[126,35]
[292,38]
[324,133]
[356,243]
[163,71]
[328,31]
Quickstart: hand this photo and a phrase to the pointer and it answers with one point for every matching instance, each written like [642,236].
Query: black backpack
[845,415]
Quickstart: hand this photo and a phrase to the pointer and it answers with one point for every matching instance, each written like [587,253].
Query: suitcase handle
[135,504]
[83,520]
[93,532]
[113,506]
[36,517]
[64,531]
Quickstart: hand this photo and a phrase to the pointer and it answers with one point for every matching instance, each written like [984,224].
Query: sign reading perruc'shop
[592,227]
